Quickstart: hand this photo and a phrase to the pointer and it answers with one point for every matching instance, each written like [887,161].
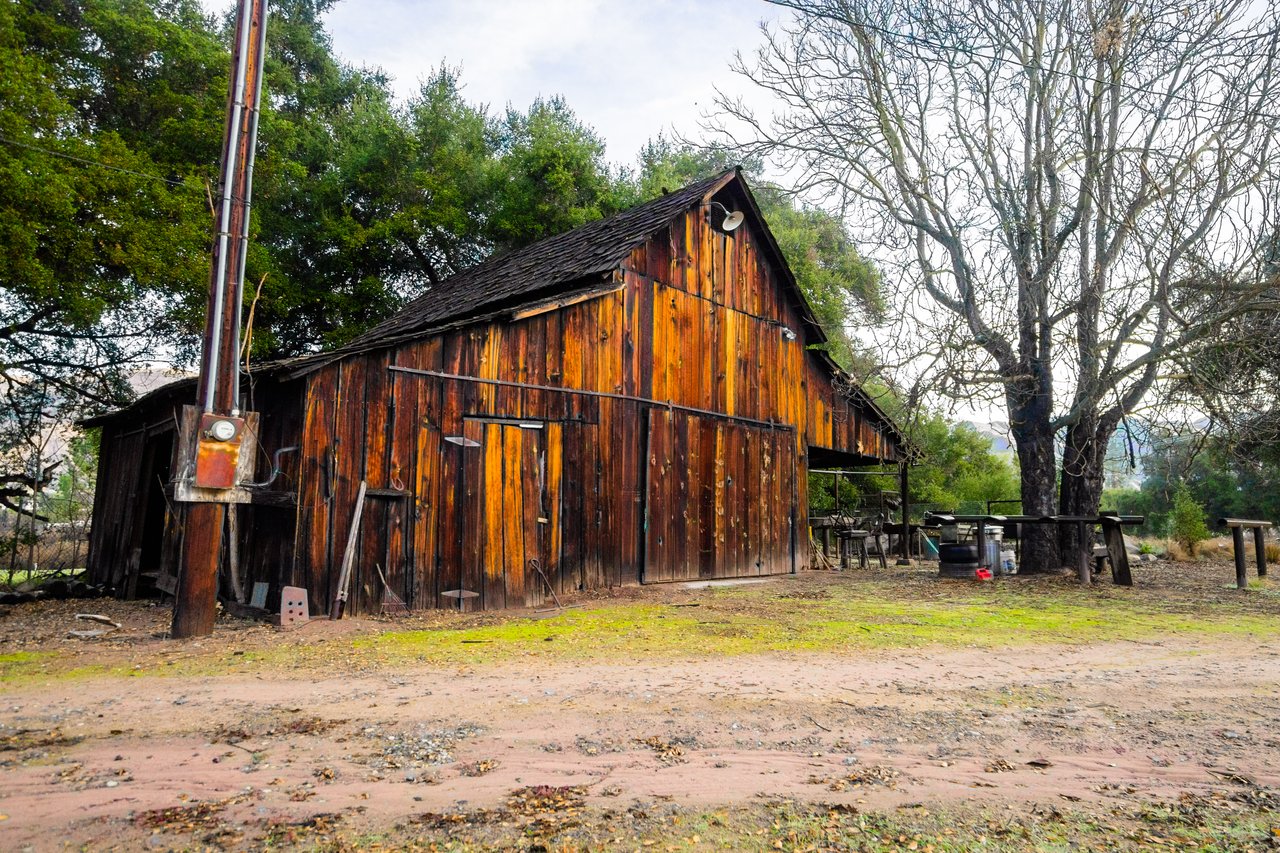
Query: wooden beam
[438,374]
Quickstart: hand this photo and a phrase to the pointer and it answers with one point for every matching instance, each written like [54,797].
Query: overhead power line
[98,163]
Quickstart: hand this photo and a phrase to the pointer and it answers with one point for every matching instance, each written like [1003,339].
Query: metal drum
[957,560]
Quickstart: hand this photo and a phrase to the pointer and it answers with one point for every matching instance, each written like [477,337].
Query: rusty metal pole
[218,389]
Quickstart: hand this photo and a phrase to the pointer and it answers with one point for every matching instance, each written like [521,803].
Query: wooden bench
[1238,526]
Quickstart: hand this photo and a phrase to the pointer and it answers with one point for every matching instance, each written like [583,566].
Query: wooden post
[1086,553]
[198,572]
[218,387]
[1237,544]
[904,545]
[233,552]
[339,604]
[1260,550]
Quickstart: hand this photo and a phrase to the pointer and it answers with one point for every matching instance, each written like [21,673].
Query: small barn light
[732,218]
[787,334]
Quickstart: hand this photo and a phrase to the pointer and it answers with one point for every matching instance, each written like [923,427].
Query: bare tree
[1069,194]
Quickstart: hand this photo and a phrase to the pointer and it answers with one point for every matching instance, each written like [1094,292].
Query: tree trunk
[1033,438]
[1083,455]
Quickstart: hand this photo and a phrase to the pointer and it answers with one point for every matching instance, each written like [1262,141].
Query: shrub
[1272,550]
[1189,528]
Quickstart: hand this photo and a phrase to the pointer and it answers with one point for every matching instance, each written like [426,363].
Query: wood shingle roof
[540,269]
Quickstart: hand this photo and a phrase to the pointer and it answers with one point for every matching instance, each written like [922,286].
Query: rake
[392,604]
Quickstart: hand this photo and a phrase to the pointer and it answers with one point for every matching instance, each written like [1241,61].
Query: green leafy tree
[432,192]
[330,143]
[97,231]
[364,205]
[957,471]
[1226,479]
[552,175]
[1188,522]
[1141,502]
[105,149]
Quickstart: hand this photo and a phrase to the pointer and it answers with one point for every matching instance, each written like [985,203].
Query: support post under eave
[904,541]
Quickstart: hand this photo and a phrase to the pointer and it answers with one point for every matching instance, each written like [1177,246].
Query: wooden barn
[633,401]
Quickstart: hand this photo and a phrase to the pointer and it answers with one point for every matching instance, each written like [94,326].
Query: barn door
[720,498]
[513,511]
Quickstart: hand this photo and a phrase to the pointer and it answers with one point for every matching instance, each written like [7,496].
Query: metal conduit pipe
[275,467]
[224,213]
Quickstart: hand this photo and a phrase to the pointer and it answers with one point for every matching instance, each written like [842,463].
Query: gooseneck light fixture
[732,218]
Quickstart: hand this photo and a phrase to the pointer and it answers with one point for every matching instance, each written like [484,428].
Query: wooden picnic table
[1112,533]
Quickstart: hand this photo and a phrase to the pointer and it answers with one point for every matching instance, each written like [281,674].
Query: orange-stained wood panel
[719,515]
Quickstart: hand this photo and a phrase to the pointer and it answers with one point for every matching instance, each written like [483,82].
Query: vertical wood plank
[525,587]
[552,552]
[512,489]
[314,490]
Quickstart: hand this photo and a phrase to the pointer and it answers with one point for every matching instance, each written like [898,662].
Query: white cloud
[627,69]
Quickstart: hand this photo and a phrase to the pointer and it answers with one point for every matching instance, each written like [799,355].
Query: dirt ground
[316,738]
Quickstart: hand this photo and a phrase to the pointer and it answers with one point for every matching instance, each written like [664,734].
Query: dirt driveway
[345,737]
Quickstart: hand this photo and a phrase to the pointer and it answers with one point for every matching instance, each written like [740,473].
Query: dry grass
[1222,548]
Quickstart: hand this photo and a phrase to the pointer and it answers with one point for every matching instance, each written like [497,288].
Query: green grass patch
[808,615]
[16,663]
[736,621]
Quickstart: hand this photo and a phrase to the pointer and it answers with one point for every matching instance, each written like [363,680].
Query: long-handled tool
[391,603]
[537,567]
[348,556]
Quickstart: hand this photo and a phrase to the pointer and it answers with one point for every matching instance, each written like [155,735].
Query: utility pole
[216,438]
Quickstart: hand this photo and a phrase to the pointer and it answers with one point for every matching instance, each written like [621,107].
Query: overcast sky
[628,69]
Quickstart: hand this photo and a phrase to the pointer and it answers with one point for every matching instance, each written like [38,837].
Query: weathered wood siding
[136,537]
[464,514]
[470,482]
[129,519]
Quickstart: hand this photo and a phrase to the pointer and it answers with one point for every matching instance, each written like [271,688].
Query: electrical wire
[90,162]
